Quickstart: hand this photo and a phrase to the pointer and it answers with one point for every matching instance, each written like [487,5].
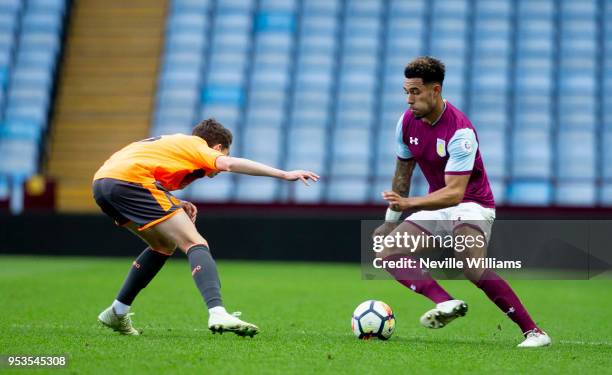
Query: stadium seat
[576,155]
[534,193]
[498,187]
[493,150]
[257,189]
[19,154]
[308,194]
[217,189]
[347,190]
[327,75]
[262,143]
[532,154]
[576,194]
[386,154]
[606,195]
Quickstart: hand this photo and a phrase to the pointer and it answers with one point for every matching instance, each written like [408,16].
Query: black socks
[204,272]
[143,270]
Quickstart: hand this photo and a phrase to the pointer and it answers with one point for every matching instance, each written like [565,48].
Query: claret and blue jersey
[448,146]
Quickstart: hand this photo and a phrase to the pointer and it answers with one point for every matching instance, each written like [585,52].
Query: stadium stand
[317,84]
[106,91]
[30,43]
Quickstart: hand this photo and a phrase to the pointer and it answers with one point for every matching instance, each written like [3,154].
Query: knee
[473,274]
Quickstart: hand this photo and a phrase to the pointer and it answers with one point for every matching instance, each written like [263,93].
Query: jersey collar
[441,114]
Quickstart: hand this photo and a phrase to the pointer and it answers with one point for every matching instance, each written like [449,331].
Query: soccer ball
[373,319]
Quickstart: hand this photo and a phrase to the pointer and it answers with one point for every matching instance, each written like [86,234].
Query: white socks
[217,310]
[120,308]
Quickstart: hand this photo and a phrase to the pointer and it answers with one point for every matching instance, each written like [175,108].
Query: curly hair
[427,68]
[213,132]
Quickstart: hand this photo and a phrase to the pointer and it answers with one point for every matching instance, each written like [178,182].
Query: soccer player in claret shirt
[133,188]
[441,140]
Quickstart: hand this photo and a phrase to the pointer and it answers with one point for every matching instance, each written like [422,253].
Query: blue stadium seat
[533,112]
[351,152]
[309,116]
[326,7]
[270,116]
[386,156]
[312,162]
[487,113]
[576,194]
[347,190]
[407,8]
[531,154]
[42,22]
[498,187]
[235,5]
[5,189]
[263,143]
[58,6]
[308,141]
[217,189]
[534,193]
[606,154]
[492,146]
[257,189]
[199,6]
[11,5]
[275,21]
[308,194]
[223,95]
[606,195]
[576,155]
[228,115]
[19,154]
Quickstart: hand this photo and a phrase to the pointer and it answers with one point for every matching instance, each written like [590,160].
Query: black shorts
[143,204]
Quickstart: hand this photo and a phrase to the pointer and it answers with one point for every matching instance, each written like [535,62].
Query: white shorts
[445,220]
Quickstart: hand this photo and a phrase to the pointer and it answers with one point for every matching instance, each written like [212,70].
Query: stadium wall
[275,232]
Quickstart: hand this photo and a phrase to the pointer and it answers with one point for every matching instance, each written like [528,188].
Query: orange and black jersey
[173,161]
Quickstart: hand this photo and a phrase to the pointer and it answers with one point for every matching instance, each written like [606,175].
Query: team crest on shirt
[441,147]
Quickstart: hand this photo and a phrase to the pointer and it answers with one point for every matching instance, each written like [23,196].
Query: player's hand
[396,200]
[303,176]
[190,209]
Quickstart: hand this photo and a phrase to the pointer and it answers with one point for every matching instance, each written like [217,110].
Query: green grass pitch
[49,306]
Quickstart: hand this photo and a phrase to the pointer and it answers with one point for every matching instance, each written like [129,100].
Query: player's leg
[144,268]
[414,278]
[116,199]
[418,279]
[142,271]
[494,286]
[180,230]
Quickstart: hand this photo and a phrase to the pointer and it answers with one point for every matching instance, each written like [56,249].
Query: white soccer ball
[373,319]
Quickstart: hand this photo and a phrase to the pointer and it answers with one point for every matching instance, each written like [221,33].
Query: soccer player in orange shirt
[133,187]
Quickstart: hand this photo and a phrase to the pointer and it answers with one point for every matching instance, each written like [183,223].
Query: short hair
[213,132]
[427,68]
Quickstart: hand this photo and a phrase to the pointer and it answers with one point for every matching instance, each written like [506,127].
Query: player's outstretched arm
[253,168]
